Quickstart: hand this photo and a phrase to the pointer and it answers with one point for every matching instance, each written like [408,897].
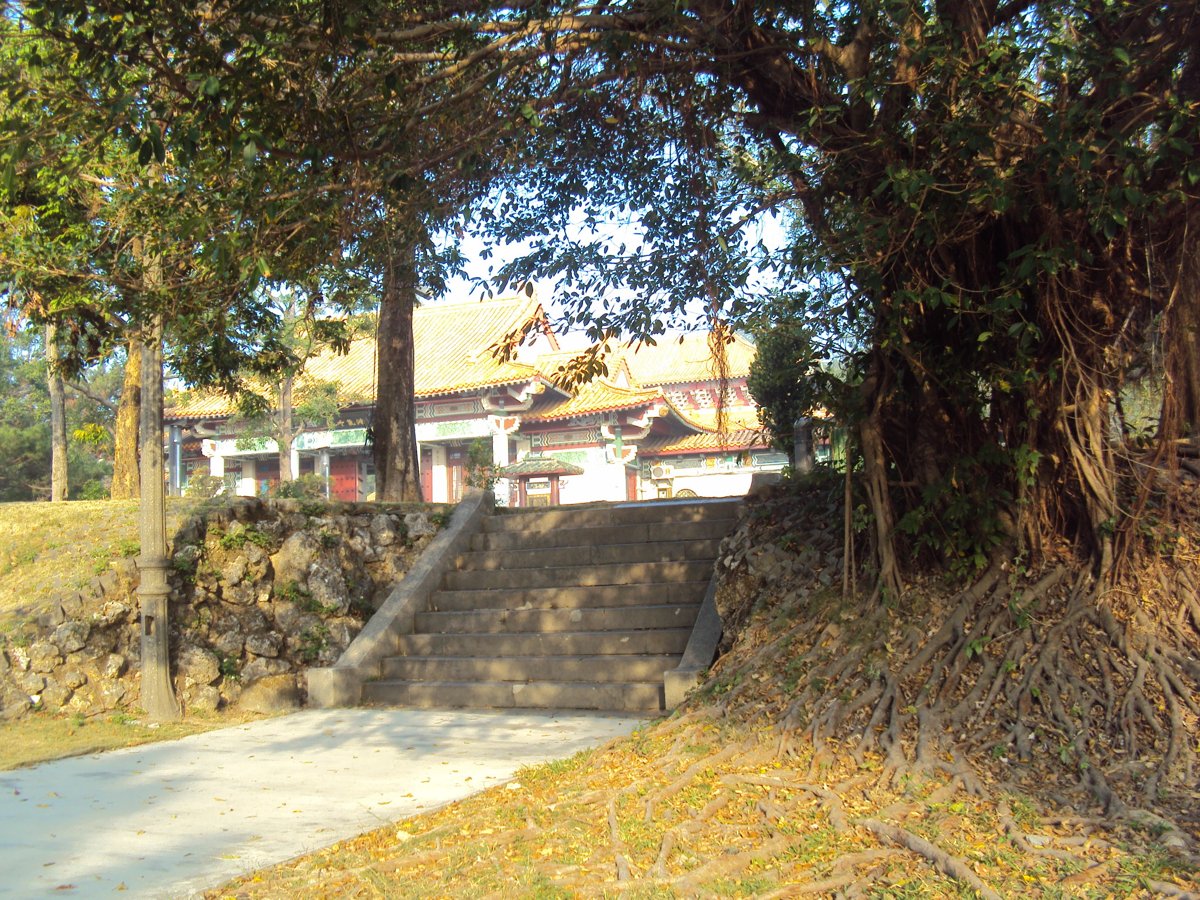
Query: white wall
[601,480]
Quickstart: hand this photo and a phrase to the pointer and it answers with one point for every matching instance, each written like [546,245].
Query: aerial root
[688,776]
[1019,840]
[618,845]
[946,863]
[831,803]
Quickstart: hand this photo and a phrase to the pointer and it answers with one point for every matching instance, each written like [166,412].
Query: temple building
[647,428]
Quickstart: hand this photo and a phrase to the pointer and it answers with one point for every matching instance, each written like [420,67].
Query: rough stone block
[334,687]
[270,695]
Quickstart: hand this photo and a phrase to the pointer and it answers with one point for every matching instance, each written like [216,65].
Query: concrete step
[605,595]
[528,668]
[656,642]
[624,696]
[661,512]
[501,621]
[589,555]
[580,576]
[707,529]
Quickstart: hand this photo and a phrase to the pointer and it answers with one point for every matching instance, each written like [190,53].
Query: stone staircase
[564,608]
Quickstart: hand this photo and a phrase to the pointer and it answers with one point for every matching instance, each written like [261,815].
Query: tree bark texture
[397,476]
[287,430]
[1181,335]
[58,419]
[125,444]
[158,696]
[890,584]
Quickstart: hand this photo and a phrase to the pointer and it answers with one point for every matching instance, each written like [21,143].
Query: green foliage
[480,471]
[204,486]
[26,470]
[239,538]
[228,666]
[304,487]
[313,641]
[185,563]
[788,378]
[960,519]
[290,592]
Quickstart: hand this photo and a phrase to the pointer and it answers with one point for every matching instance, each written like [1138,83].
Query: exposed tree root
[1035,725]
[951,865]
[1022,673]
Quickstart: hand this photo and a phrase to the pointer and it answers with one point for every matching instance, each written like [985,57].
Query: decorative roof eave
[706,442]
[523,394]
[601,397]
[687,359]
[518,381]
[537,465]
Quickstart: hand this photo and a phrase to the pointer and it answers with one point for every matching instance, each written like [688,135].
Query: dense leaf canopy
[998,200]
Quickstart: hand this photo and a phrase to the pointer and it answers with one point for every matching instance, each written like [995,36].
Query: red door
[456,472]
[427,474]
[343,472]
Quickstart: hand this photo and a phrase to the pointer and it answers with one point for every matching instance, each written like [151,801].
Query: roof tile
[453,354]
[686,358]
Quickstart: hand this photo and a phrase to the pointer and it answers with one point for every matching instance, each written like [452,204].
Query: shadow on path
[176,818]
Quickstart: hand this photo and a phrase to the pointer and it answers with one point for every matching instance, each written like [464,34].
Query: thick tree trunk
[1181,399]
[397,476]
[125,450]
[58,419]
[891,584]
[287,432]
[158,696]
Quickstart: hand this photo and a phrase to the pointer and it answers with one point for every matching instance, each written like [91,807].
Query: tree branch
[83,389]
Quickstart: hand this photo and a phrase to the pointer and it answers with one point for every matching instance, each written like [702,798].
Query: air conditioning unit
[661,471]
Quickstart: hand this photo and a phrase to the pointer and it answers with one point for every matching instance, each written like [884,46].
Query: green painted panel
[348,437]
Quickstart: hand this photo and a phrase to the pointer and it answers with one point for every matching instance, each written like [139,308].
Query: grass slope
[49,550]
[43,736]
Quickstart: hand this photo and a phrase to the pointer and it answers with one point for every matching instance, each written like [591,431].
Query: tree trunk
[158,696]
[286,433]
[1181,329]
[58,419]
[875,478]
[125,449]
[397,476]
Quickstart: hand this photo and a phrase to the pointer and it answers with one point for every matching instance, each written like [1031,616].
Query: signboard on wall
[348,437]
[428,432]
[449,409]
[574,436]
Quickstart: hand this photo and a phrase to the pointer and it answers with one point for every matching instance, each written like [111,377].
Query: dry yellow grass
[704,807]
[43,736]
[48,550]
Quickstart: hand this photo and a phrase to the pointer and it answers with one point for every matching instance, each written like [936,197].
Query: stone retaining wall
[260,590]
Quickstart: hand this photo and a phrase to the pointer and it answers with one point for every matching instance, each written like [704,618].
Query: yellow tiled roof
[454,344]
[554,363]
[598,396]
[677,359]
[736,417]
[742,439]
[453,354]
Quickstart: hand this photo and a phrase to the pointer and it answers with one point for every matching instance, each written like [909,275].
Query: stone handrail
[340,685]
[700,651]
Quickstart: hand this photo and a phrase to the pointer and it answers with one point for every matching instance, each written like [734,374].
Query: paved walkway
[179,817]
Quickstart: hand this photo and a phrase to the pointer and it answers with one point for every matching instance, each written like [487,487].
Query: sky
[771,231]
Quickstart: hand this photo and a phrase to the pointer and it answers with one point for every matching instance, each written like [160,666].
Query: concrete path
[176,818]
